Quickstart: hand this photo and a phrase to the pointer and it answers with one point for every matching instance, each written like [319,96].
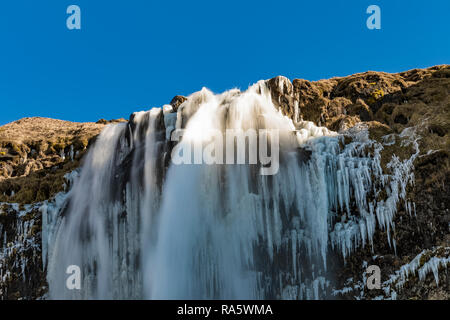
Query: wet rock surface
[22,275]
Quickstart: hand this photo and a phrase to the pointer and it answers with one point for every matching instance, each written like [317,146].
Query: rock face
[36,153]
[389,103]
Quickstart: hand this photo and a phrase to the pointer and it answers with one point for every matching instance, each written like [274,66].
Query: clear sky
[136,54]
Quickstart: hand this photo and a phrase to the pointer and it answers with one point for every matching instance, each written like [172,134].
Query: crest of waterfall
[140,226]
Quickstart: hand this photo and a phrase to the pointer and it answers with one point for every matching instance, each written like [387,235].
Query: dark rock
[177,101]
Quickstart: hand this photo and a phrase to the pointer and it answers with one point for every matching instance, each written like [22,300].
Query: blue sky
[136,54]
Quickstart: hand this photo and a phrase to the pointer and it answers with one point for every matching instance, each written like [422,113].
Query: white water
[140,228]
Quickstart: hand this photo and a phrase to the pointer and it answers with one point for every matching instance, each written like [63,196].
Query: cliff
[36,154]
[389,103]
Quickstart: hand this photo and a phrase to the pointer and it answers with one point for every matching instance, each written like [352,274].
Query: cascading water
[141,226]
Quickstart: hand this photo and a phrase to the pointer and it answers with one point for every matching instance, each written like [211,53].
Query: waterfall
[140,225]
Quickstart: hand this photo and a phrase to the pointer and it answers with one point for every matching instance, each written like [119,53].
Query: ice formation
[18,247]
[423,264]
[433,261]
[141,227]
